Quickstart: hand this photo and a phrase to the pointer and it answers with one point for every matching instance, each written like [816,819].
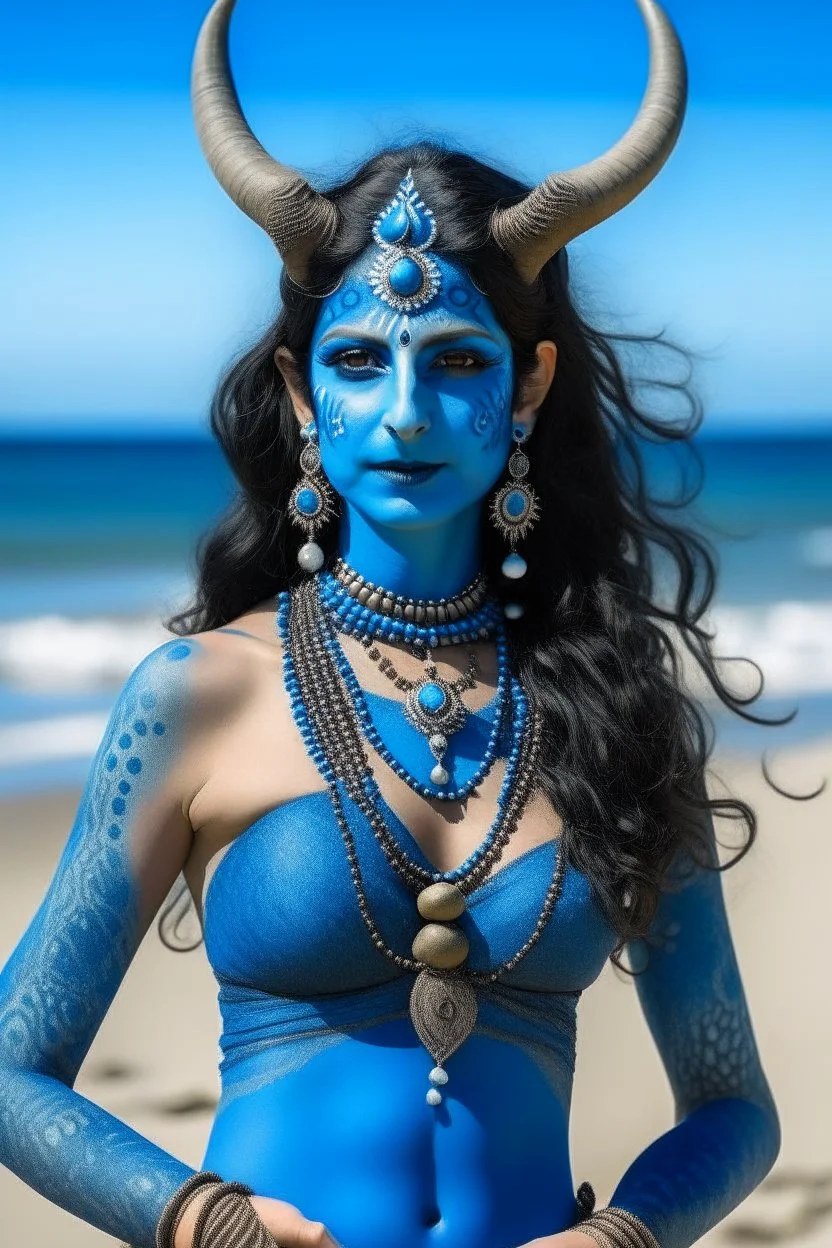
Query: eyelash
[341,358]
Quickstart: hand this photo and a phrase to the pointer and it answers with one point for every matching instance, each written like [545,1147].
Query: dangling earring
[311,504]
[514,509]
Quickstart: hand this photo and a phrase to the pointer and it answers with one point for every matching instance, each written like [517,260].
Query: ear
[291,372]
[536,385]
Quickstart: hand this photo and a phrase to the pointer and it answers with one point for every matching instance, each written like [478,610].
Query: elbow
[774,1134]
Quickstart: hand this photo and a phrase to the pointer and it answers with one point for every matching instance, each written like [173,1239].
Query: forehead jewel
[403,275]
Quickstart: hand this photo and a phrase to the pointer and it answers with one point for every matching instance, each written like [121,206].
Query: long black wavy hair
[617,587]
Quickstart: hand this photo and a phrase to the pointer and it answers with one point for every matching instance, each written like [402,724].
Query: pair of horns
[299,219]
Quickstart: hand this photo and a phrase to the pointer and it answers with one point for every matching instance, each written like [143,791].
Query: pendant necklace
[443,1003]
[433,705]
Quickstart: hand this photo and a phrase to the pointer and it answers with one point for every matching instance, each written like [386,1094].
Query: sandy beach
[154,1060]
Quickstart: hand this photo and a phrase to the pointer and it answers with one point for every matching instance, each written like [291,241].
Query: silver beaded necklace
[443,1003]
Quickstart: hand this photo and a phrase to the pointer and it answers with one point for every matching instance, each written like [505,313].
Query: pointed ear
[537,384]
[292,374]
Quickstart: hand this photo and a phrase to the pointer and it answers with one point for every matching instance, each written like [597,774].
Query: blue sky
[130,279]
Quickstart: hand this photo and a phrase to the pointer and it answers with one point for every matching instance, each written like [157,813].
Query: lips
[409,473]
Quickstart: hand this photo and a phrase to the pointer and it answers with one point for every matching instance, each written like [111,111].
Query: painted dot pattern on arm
[60,980]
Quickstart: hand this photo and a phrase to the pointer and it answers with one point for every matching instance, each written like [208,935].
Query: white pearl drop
[311,557]
[433,1097]
[513,611]
[439,775]
[438,1075]
[514,566]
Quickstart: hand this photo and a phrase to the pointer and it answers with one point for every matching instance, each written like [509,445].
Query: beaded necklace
[465,625]
[443,1004]
[508,690]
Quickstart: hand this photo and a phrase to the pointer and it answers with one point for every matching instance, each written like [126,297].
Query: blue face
[413,409]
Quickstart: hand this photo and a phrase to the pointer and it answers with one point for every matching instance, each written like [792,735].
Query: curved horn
[565,205]
[296,218]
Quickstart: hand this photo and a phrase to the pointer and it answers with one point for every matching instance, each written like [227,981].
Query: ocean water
[97,540]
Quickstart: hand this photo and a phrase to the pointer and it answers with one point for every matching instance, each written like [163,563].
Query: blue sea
[97,540]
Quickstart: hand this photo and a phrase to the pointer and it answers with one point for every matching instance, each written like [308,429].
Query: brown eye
[463,360]
[356,359]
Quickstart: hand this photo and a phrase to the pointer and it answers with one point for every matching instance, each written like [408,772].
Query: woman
[425,757]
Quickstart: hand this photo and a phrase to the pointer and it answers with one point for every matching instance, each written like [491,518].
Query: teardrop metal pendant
[443,1009]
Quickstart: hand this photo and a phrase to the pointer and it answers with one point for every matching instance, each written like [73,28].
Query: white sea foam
[791,641]
[56,654]
[47,740]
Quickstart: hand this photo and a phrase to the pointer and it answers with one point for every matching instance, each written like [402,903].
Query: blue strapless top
[297,970]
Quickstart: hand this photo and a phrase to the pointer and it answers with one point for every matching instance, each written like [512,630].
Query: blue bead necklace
[356,617]
[509,694]
[369,795]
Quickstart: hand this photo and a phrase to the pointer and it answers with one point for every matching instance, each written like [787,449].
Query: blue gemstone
[431,698]
[395,226]
[406,276]
[515,504]
[307,501]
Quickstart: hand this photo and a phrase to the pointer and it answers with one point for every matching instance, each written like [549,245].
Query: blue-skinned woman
[420,747]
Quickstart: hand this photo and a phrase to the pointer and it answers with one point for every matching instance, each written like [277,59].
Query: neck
[419,563]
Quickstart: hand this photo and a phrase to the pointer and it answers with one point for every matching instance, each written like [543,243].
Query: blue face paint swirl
[413,402]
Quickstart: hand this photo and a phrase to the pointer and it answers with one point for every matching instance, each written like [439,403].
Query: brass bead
[441,901]
[440,945]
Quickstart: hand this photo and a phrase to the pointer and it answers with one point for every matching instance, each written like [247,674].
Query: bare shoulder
[230,661]
[244,750]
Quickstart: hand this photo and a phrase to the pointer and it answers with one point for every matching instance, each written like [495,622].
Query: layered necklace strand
[443,1004]
[507,691]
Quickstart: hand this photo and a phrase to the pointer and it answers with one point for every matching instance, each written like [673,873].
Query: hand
[286,1224]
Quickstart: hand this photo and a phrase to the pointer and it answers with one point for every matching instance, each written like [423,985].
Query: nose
[406,417]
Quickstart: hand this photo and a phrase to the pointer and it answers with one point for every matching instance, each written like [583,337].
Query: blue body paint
[60,980]
[727,1134]
[323,1076]
[431,386]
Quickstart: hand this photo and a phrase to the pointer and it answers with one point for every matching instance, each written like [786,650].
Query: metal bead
[440,945]
[442,901]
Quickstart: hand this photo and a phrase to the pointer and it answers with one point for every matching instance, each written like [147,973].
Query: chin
[406,512]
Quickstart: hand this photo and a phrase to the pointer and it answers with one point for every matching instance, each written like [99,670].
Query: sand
[163,1080]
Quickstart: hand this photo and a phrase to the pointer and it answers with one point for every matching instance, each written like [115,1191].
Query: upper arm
[128,842]
[692,994]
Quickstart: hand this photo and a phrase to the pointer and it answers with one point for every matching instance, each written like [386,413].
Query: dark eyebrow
[444,335]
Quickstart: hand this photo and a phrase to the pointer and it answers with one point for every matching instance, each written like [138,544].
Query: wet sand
[154,1060]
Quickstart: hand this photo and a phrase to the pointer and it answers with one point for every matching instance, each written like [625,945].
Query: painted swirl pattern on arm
[60,980]
[727,1135]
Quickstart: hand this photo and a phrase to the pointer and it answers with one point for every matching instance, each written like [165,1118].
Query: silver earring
[311,503]
[514,510]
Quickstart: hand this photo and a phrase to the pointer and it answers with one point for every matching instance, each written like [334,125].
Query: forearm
[690,1178]
[84,1159]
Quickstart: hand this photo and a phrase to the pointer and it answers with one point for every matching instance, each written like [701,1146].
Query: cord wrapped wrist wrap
[226,1219]
[617,1228]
